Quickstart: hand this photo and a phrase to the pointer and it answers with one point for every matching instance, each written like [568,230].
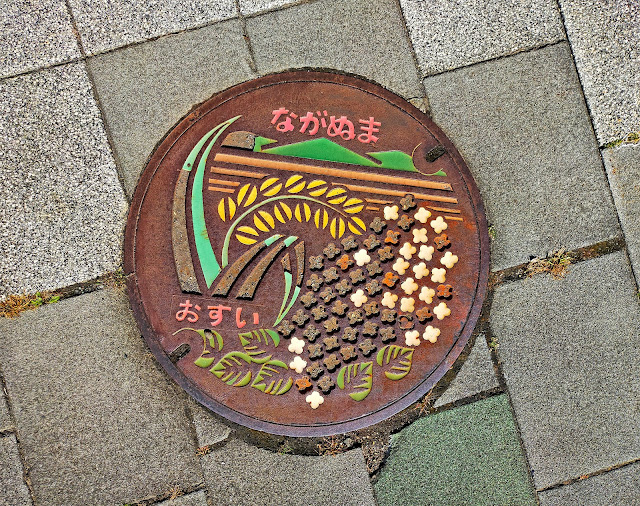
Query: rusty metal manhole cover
[307,254]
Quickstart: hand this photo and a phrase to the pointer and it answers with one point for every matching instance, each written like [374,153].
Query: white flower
[298,364]
[412,338]
[407,304]
[427,294]
[391,213]
[420,270]
[431,334]
[296,345]
[439,224]
[422,215]
[438,275]
[426,252]
[389,299]
[409,286]
[441,310]
[315,399]
[358,298]
[362,257]
[407,250]
[400,266]
[449,259]
[420,235]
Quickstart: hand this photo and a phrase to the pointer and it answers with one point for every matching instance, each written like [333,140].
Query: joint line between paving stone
[497,58]
[23,461]
[245,35]
[276,9]
[600,148]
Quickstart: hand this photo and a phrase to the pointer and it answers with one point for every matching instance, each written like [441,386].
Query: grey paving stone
[621,486]
[623,169]
[105,25]
[522,126]
[5,420]
[99,422]
[63,206]
[14,490]
[209,429]
[569,352]
[360,36]
[146,89]
[239,473]
[450,33]
[35,34]
[466,455]
[198,498]
[604,38]
[476,375]
[248,7]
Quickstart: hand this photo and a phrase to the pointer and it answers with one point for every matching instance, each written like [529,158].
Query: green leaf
[349,373]
[267,371]
[399,357]
[257,343]
[211,341]
[231,368]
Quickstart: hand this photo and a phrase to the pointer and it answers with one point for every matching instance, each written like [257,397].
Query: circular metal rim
[396,406]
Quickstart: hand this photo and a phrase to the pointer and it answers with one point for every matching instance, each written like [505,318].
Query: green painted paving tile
[467,455]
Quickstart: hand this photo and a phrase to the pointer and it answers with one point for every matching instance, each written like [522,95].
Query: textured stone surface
[63,207]
[604,38]
[623,169]
[35,34]
[14,490]
[198,498]
[209,429]
[106,25]
[569,349]
[476,375]
[522,126]
[248,7]
[5,420]
[99,422]
[239,473]
[146,89]
[450,34]
[621,486]
[466,455]
[360,36]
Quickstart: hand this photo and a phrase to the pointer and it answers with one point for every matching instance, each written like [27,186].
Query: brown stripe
[444,209]
[456,218]
[233,172]
[180,239]
[222,181]
[376,201]
[372,208]
[218,189]
[396,193]
[316,169]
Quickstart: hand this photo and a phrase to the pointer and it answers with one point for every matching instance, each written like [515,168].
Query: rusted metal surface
[388,233]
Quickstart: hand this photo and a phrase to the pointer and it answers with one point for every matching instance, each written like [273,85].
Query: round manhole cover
[307,254]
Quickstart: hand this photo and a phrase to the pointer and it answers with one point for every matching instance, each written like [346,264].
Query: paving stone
[248,7]
[360,36]
[623,169]
[198,498]
[35,34]
[14,490]
[146,89]
[568,349]
[209,429]
[239,473]
[99,421]
[105,25]
[476,375]
[466,455]
[450,33]
[621,486]
[5,420]
[63,206]
[604,38]
[522,126]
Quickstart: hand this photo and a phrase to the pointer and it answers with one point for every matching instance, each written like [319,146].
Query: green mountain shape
[321,149]
[397,160]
